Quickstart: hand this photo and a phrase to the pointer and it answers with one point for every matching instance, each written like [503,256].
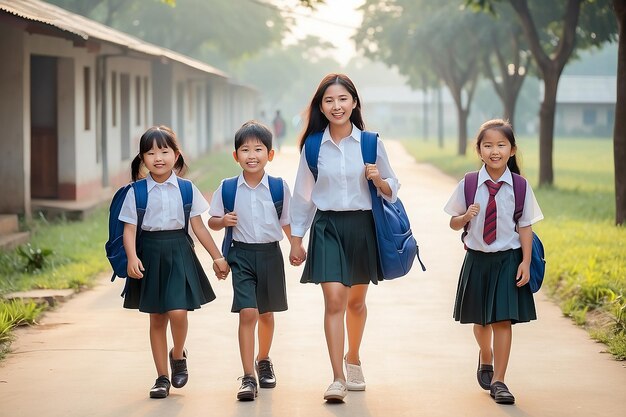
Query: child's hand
[472,211]
[523,274]
[135,268]
[371,173]
[230,219]
[221,268]
[297,255]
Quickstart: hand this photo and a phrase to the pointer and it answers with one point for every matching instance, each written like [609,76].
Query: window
[138,100]
[589,117]
[114,98]
[87,96]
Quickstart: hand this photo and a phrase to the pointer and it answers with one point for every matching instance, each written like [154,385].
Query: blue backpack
[229,190]
[537,259]
[397,248]
[114,247]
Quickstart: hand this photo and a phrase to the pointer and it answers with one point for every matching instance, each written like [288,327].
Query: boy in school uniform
[254,256]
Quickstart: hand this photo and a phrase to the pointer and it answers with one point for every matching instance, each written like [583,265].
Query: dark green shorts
[258,275]
[342,248]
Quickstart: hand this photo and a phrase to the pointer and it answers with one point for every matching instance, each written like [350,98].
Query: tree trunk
[462,113]
[440,116]
[425,114]
[509,109]
[546,126]
[619,132]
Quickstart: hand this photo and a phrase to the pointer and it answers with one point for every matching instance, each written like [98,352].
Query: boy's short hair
[253,129]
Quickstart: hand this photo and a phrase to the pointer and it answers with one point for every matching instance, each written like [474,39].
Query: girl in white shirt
[492,292]
[337,206]
[165,278]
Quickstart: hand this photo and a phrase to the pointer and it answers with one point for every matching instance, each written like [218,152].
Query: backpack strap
[186,191]
[312,146]
[140,189]
[469,189]
[369,145]
[278,193]
[229,189]
[519,190]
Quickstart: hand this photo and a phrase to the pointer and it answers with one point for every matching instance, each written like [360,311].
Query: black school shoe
[180,376]
[484,373]
[161,388]
[265,371]
[501,394]
[248,389]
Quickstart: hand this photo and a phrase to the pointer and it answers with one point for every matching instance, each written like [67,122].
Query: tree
[508,62]
[217,32]
[552,30]
[619,132]
[427,39]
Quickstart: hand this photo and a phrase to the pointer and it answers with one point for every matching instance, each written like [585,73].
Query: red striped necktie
[491,215]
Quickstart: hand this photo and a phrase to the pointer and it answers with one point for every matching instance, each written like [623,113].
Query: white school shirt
[506,235]
[257,219]
[341,184]
[165,206]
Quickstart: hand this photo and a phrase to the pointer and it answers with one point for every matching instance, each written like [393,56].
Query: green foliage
[585,251]
[16,313]
[35,258]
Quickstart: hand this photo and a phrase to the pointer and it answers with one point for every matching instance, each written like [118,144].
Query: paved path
[91,357]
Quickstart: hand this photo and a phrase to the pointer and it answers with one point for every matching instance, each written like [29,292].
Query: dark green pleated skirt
[487,291]
[342,248]
[173,278]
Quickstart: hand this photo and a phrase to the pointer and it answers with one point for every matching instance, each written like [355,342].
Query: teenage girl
[168,278]
[338,210]
[492,291]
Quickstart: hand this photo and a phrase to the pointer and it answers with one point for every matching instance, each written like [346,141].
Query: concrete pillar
[15,122]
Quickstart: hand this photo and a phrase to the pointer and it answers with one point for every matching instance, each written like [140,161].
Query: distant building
[585,105]
[398,111]
[76,95]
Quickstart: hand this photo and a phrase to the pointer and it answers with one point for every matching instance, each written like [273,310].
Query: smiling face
[337,105]
[495,150]
[253,155]
[160,162]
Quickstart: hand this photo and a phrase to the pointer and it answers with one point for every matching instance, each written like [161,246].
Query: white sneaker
[336,392]
[354,377]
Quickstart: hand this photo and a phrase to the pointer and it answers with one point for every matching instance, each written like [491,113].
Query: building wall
[594,119]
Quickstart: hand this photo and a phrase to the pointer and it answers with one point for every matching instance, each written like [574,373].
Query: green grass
[585,251]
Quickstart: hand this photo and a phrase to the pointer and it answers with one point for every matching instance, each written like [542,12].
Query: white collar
[354,134]
[151,183]
[484,176]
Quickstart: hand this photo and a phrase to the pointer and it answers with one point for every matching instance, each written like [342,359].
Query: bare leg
[483,337]
[247,323]
[335,301]
[502,338]
[178,327]
[158,342]
[266,334]
[356,317]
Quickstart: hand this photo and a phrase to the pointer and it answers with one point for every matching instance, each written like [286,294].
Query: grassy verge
[77,250]
[585,251]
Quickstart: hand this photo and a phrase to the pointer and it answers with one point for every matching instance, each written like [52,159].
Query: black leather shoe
[161,388]
[484,373]
[179,370]
[248,390]
[501,394]
[265,371]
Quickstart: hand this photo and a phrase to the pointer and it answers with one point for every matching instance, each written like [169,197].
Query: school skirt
[487,291]
[173,278]
[342,248]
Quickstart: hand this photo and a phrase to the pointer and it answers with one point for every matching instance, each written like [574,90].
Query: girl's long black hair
[315,119]
[506,129]
[164,137]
